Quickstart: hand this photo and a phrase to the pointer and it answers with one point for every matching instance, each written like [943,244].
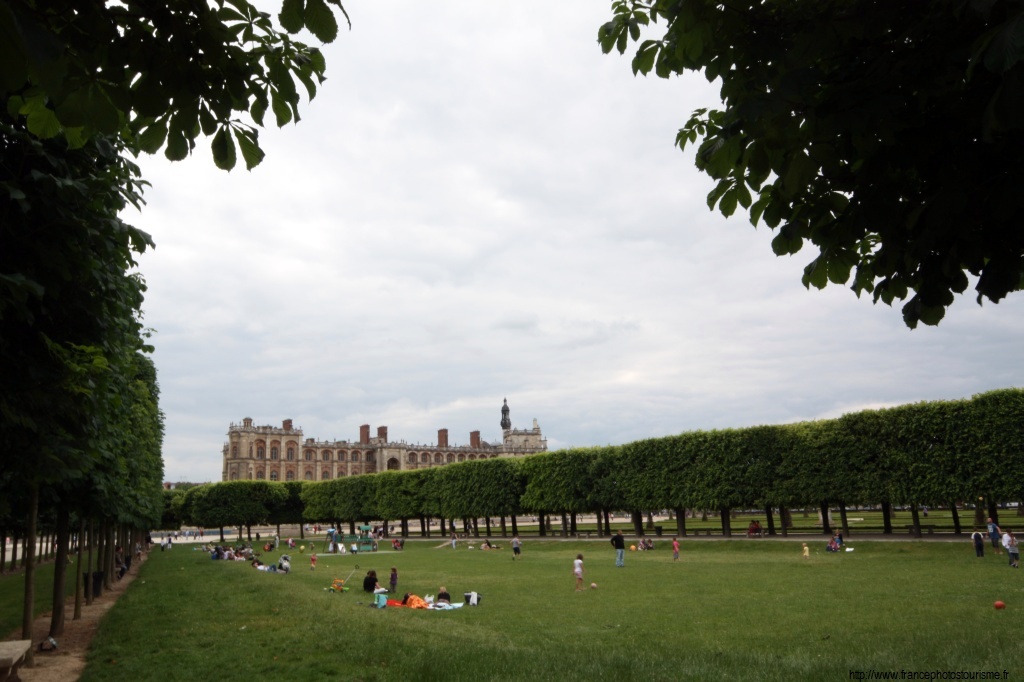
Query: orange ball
[999,605]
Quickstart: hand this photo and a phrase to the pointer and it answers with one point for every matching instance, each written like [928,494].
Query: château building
[283,454]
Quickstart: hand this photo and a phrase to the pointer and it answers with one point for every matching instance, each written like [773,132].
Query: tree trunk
[60,570]
[542,530]
[3,550]
[503,530]
[993,509]
[887,518]
[785,520]
[770,517]
[88,566]
[680,522]
[487,525]
[80,551]
[979,514]
[843,520]
[650,521]
[826,525]
[476,528]
[726,522]
[565,525]
[515,526]
[957,530]
[916,516]
[637,518]
[442,519]
[28,606]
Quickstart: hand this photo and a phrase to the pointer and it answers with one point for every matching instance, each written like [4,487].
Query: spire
[506,423]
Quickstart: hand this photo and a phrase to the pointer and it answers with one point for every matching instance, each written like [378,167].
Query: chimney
[287,425]
[382,433]
[247,422]
[442,438]
[364,434]
[474,439]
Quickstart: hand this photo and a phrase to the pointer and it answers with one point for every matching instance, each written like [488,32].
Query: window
[273,475]
[290,476]
[355,456]
[309,455]
[462,458]
[325,475]
[234,451]
[309,476]
[438,459]
[411,459]
[424,458]
[259,475]
[291,454]
[451,458]
[327,455]
[273,453]
[259,452]
[341,455]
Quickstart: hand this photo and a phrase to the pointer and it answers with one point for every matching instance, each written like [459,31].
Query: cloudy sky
[481,205]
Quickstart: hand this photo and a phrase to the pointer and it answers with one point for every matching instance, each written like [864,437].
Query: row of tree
[933,453]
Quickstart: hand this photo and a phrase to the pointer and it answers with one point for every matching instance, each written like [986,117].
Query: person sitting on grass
[442,596]
[371,585]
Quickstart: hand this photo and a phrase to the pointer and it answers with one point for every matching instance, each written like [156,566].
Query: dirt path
[68,661]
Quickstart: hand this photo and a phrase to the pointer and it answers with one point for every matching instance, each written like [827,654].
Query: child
[312,561]
[675,549]
[394,578]
[577,570]
[807,551]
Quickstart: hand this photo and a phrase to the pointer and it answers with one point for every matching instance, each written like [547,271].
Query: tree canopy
[887,135]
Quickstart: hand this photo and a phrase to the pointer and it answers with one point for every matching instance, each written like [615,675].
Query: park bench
[930,528]
[12,655]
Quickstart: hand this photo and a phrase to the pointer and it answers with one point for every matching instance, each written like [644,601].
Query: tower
[506,423]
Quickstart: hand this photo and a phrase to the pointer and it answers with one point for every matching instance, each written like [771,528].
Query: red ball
[999,605]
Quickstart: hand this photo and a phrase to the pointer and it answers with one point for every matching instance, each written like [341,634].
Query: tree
[885,134]
[160,74]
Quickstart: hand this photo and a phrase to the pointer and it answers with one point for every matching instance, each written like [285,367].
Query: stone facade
[283,454]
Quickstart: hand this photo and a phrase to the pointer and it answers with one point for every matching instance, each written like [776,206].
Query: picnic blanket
[415,602]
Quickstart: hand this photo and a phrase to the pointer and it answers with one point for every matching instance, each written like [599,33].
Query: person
[394,579]
[807,551]
[370,583]
[619,543]
[1012,548]
[979,543]
[993,533]
[455,539]
[752,529]
[833,546]
[312,561]
[1010,541]
[486,544]
[442,596]
[577,570]
[675,549]
[516,547]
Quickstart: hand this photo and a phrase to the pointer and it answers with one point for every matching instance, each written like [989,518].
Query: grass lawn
[727,610]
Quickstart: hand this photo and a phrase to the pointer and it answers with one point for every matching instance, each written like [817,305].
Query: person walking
[577,571]
[455,539]
[675,549]
[516,547]
[619,543]
[979,543]
[993,533]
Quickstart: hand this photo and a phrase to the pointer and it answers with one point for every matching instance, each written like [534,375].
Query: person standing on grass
[1013,549]
[979,543]
[516,547]
[577,571]
[455,539]
[675,549]
[619,543]
[312,561]
[993,533]
[394,579]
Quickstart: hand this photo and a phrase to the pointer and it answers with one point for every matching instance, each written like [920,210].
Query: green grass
[727,610]
[12,595]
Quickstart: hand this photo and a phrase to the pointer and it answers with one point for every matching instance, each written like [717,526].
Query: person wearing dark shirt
[619,543]
[443,597]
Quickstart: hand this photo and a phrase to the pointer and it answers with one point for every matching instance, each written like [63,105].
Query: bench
[923,527]
[12,655]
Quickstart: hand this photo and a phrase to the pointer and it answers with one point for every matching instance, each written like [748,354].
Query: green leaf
[259,108]
[152,138]
[223,149]
[291,16]
[41,121]
[799,173]
[248,142]
[816,273]
[282,111]
[320,21]
[728,204]
[177,144]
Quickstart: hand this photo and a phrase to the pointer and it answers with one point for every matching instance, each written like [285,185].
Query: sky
[480,205]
